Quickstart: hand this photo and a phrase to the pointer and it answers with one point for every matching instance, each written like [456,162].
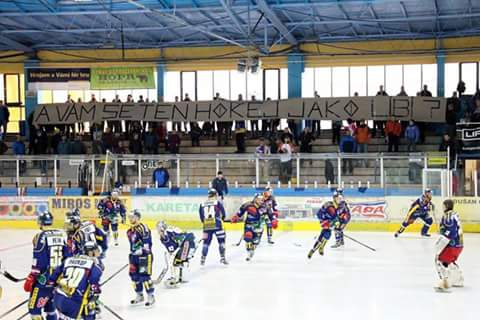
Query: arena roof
[30,25]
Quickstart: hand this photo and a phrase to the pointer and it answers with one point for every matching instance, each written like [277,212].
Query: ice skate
[150,301]
[138,299]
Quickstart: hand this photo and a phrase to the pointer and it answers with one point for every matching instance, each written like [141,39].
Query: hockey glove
[29,282]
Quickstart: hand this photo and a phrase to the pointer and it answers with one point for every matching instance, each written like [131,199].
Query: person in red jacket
[393,131]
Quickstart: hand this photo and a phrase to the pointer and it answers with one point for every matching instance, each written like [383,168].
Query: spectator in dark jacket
[220,184]
[40,145]
[347,145]
[425,92]
[150,141]
[78,147]
[135,145]
[447,143]
[108,139]
[195,134]
[306,141]
[65,146]
[19,149]
[173,142]
[4,118]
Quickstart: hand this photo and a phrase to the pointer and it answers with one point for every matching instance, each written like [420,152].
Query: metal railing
[98,172]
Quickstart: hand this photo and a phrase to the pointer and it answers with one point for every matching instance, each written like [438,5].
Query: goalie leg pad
[456,275]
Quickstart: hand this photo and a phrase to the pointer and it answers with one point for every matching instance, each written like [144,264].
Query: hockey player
[49,250]
[419,209]
[82,232]
[344,216]
[141,259]
[181,247]
[448,247]
[212,215]
[253,229]
[78,284]
[270,217]
[328,217]
[110,209]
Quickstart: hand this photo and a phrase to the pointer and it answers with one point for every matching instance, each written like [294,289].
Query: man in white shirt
[285,152]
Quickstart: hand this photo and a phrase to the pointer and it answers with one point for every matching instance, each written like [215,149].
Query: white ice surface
[396,282]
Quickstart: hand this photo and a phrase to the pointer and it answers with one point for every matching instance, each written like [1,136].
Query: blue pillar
[160,81]
[296,67]
[441,74]
[30,95]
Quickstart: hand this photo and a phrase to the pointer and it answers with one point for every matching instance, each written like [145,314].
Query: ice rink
[396,282]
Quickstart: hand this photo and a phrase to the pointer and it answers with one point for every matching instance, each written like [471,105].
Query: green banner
[122,78]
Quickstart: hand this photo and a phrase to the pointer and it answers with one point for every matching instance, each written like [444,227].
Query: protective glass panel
[205,85]
[238,172]
[412,78]
[221,83]
[394,79]
[376,78]
[358,81]
[403,174]
[197,173]
[323,82]
[340,84]
[172,85]
[238,85]
[308,83]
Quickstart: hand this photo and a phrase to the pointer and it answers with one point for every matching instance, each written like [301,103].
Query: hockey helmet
[428,193]
[161,227]
[91,248]
[267,192]
[45,218]
[72,221]
[258,199]
[115,193]
[212,193]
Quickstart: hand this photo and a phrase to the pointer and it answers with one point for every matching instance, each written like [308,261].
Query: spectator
[177,125]
[336,128]
[115,125]
[78,147]
[18,148]
[64,147]
[160,177]
[240,132]
[208,129]
[161,132]
[286,134]
[347,145]
[316,128]
[329,172]
[97,141]
[362,138]
[402,92]
[378,124]
[135,144]
[150,141]
[267,124]
[393,130]
[220,184]
[195,134]
[263,151]
[449,145]
[425,92]
[452,115]
[3,150]
[412,134]
[173,142]
[4,118]
[108,139]
[306,141]
[40,145]
[475,116]
[285,152]
[351,126]
[254,123]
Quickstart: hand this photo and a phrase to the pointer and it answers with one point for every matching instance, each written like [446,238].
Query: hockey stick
[114,275]
[360,243]
[7,275]
[110,310]
[239,241]
[3,315]
[23,316]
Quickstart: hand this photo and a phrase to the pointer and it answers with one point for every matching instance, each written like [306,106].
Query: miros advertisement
[87,205]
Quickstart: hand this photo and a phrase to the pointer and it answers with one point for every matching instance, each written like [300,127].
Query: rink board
[296,213]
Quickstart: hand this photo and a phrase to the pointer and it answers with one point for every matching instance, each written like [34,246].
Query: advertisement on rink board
[87,205]
[21,208]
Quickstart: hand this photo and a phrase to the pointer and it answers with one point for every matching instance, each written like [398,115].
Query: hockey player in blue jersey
[77,283]
[49,251]
[212,215]
[253,228]
[270,216]
[344,216]
[181,248]
[419,209]
[328,217]
[110,210]
[140,259]
[82,232]
[448,247]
